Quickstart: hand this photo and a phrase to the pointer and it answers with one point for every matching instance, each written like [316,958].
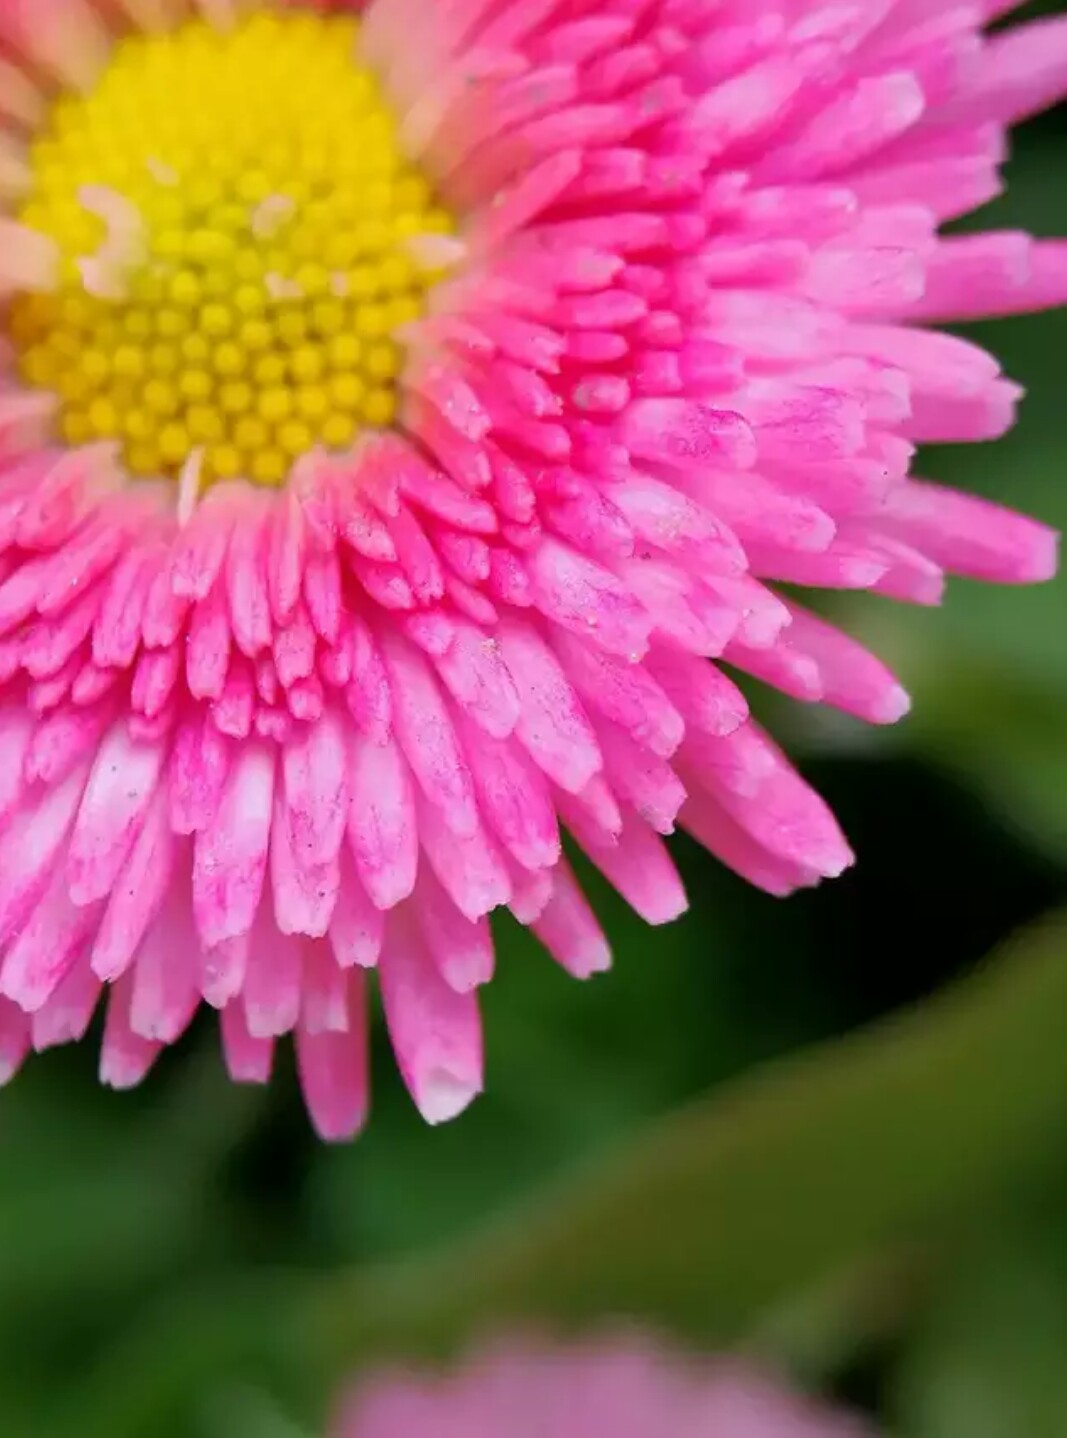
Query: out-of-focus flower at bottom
[624,1388]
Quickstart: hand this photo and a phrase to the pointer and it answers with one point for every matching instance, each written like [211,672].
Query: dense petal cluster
[621,1389]
[255,741]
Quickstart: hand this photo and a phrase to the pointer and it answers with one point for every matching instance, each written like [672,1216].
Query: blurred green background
[833,1130]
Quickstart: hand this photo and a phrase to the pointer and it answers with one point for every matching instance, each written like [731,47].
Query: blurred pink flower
[612,1390]
[398,417]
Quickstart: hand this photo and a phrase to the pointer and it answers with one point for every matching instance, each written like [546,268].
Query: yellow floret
[272,270]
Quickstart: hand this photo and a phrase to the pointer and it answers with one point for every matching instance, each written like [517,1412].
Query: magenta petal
[619,1383]
[634,322]
[231,854]
[334,1073]
[436,1031]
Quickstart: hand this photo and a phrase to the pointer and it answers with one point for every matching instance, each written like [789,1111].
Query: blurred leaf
[704,1225]
[104,1200]
[993,714]
[176,1374]
[131,1188]
[821,1332]
[575,1069]
[738,1201]
[989,1359]
[251,1413]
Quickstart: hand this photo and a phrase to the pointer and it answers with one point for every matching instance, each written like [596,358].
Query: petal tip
[594,959]
[893,706]
[119,1075]
[1043,562]
[443,1096]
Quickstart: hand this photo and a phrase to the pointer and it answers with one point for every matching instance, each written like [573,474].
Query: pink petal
[569,930]
[461,949]
[358,926]
[382,825]
[125,1057]
[248,1059]
[334,1072]
[231,852]
[436,1032]
[120,789]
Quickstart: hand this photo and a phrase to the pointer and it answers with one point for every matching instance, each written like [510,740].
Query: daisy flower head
[613,1389]
[404,409]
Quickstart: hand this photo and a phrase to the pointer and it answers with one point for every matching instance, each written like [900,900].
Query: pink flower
[398,416]
[614,1390]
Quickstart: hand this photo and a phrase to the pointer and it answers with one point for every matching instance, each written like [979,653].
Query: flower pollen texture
[408,415]
[618,1388]
[231,277]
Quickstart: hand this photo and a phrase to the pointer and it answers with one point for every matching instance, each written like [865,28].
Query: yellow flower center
[234,218]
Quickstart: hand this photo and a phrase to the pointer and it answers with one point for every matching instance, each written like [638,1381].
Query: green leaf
[574,1069]
[988,710]
[733,1204]
[104,1202]
[988,1361]
[706,1225]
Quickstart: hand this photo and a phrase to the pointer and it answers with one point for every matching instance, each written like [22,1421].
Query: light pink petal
[315,771]
[641,778]
[427,736]
[304,894]
[569,930]
[65,1018]
[248,1059]
[471,869]
[462,949]
[1022,71]
[436,1032]
[515,800]
[849,677]
[782,813]
[334,1070]
[231,852]
[624,692]
[476,675]
[120,789]
[358,926]
[30,847]
[324,985]
[125,1057]
[552,726]
[47,945]
[580,595]
[165,990]
[272,987]
[971,536]
[638,865]
[382,824]
[138,893]
[16,731]
[198,769]
[14,1040]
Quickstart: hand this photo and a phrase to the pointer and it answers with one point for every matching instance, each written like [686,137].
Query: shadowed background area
[760,1129]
